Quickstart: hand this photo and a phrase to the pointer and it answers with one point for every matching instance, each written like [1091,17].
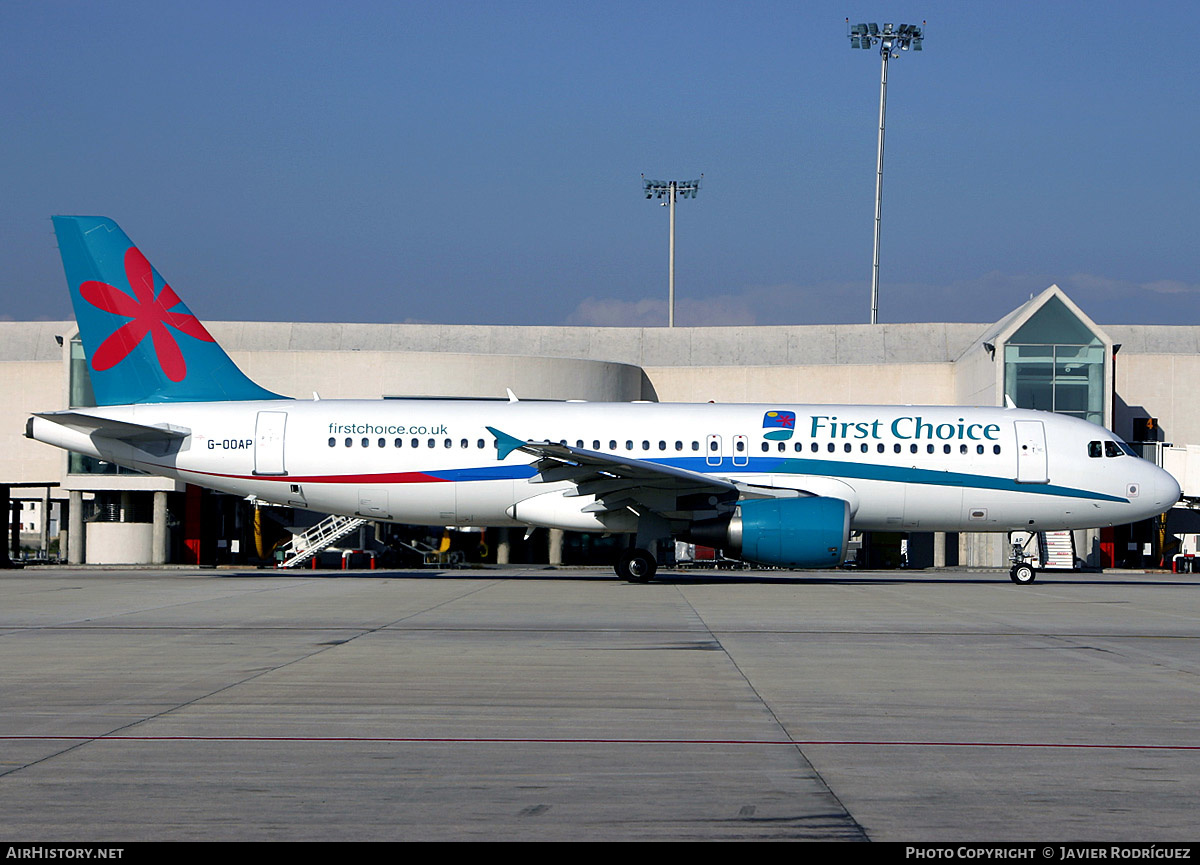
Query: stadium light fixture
[670,190]
[891,39]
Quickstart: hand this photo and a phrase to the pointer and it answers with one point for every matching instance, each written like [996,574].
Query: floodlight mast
[670,189]
[891,40]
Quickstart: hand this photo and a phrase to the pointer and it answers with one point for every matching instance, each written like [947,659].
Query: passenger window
[662,446]
[740,446]
[928,449]
[629,445]
[645,445]
[678,446]
[417,443]
[400,443]
[945,449]
[766,446]
[432,443]
[815,447]
[695,446]
[595,444]
[978,449]
[799,447]
[912,448]
[366,442]
[464,443]
[962,449]
[712,446]
[449,443]
[832,447]
[478,443]
[879,447]
[1094,450]
[782,447]
[612,444]
[896,448]
[349,442]
[864,447]
[846,447]
[332,442]
[383,443]
[995,449]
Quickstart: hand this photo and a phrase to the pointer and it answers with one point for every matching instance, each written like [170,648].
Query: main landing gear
[1022,572]
[636,566]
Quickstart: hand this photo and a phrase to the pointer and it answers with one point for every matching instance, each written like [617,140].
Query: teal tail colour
[142,343]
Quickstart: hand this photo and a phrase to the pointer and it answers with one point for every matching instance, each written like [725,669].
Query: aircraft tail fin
[142,343]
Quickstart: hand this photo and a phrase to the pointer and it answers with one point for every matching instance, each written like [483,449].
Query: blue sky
[480,162]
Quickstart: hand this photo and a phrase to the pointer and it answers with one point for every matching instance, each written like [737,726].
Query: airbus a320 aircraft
[778,484]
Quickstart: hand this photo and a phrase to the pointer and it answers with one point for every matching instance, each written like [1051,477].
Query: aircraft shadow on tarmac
[715,578]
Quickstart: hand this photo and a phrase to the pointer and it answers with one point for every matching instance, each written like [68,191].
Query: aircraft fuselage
[903,468]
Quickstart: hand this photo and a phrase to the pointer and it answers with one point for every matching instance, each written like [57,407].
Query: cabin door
[1031,452]
[268,443]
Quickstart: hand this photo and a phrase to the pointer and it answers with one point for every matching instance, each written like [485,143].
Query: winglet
[505,444]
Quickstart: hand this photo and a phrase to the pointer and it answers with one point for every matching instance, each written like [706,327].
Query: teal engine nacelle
[806,532]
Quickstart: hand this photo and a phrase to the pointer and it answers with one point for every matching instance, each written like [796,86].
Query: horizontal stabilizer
[134,433]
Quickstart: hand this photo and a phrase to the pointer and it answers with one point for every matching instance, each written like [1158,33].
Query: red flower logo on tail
[150,314]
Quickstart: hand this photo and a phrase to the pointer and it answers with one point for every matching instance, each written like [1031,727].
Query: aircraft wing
[620,482]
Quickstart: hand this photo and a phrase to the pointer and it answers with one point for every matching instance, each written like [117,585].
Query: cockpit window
[1095,450]
[1112,449]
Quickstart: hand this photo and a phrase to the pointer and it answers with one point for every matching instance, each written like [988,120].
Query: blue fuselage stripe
[821,468]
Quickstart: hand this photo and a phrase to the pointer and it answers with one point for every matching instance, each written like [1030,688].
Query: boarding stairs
[1057,550]
[324,534]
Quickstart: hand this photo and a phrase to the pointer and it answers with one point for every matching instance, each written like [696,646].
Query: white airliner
[778,484]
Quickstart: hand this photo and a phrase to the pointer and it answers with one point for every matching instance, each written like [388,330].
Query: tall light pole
[891,40]
[670,189]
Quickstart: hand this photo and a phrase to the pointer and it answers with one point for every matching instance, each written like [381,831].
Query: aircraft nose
[1167,488]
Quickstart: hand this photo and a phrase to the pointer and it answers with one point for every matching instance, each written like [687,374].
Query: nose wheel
[1022,574]
[636,566]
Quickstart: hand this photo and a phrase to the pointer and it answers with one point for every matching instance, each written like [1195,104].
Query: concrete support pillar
[14,528]
[46,523]
[1087,547]
[983,549]
[75,538]
[5,508]
[158,531]
[939,549]
[503,547]
[554,544]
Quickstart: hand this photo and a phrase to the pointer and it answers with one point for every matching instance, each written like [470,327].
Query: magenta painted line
[585,741]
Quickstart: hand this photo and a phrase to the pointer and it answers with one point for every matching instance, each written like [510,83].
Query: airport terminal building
[1139,381]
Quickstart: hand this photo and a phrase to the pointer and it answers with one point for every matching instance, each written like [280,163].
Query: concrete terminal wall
[26,387]
[848,383]
[639,346]
[370,374]
[1164,386]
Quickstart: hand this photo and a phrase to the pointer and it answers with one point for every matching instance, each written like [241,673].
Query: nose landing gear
[1022,572]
